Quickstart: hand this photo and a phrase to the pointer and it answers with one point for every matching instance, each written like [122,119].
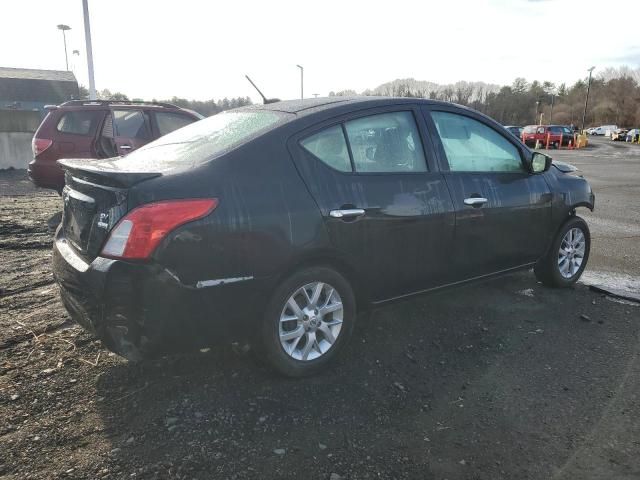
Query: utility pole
[551,114]
[535,118]
[586,100]
[87,38]
[64,28]
[301,82]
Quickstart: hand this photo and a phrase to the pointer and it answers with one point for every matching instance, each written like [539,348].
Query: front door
[503,212]
[387,211]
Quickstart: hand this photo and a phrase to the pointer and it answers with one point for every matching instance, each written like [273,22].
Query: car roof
[315,105]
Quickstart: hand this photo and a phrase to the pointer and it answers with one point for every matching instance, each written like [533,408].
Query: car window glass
[387,142]
[202,141]
[540,130]
[471,146]
[131,124]
[78,123]
[330,147]
[169,121]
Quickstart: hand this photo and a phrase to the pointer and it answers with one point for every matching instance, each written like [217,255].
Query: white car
[605,130]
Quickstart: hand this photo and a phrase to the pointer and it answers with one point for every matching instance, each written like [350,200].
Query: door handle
[125,147]
[475,201]
[347,213]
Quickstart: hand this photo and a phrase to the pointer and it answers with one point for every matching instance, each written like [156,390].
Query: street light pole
[535,119]
[64,28]
[586,100]
[301,82]
[87,37]
[551,114]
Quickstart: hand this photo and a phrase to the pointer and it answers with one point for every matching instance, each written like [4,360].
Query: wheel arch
[323,258]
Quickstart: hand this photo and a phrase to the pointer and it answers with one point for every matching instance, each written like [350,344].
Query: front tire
[309,319]
[567,258]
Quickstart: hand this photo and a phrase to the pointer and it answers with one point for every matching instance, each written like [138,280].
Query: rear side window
[330,147]
[131,124]
[78,123]
[471,146]
[169,121]
[530,129]
[387,142]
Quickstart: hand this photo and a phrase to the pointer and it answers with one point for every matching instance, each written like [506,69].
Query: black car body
[390,230]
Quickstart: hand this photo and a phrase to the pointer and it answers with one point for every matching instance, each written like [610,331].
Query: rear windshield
[530,129]
[200,141]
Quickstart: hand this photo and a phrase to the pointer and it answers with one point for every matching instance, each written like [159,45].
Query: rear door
[131,129]
[503,212]
[386,207]
[76,132]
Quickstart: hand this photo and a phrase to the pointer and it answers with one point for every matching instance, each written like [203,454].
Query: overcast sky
[201,49]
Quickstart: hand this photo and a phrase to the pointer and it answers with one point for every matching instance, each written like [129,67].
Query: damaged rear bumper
[143,310]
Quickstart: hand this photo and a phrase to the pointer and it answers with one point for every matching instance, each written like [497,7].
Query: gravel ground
[501,380]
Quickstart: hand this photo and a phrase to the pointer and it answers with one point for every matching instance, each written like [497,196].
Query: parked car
[278,223]
[557,135]
[98,129]
[516,131]
[632,135]
[605,130]
[619,135]
[589,131]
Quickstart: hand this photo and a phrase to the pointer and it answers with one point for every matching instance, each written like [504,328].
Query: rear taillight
[136,236]
[39,145]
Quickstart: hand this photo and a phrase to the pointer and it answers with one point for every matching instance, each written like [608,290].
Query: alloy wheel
[311,321]
[571,252]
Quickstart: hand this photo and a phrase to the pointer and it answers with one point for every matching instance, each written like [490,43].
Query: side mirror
[540,162]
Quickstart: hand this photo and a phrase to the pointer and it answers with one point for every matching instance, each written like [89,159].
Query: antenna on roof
[265,100]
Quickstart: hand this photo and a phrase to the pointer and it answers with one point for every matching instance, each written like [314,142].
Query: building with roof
[30,89]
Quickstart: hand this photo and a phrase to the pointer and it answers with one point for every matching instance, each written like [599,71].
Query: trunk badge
[103,221]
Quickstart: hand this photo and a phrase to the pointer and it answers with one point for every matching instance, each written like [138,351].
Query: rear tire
[567,257]
[308,321]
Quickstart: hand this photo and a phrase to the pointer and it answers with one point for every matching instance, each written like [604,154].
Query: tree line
[614,98]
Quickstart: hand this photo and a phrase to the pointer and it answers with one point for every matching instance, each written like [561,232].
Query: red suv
[98,129]
[553,133]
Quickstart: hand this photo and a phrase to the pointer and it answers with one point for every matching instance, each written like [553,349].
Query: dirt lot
[503,380]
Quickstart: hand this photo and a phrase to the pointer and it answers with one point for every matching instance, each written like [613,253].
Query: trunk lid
[95,199]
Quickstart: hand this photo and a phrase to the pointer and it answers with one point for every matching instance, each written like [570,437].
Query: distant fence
[16,131]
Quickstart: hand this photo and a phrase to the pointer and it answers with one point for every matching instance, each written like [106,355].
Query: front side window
[387,142]
[169,121]
[471,146]
[78,123]
[131,124]
[330,147]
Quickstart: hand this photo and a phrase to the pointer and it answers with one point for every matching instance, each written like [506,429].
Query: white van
[605,130]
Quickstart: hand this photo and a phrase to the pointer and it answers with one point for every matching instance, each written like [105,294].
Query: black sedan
[277,224]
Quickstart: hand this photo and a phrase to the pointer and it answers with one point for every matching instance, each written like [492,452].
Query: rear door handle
[475,201]
[347,213]
[125,147]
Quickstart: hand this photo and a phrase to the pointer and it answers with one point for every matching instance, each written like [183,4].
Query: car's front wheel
[567,258]
[309,319]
